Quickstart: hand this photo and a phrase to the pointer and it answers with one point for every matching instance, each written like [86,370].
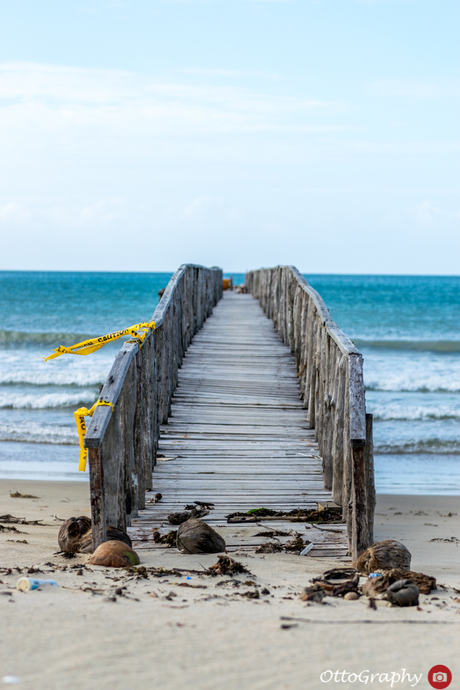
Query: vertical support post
[96,480]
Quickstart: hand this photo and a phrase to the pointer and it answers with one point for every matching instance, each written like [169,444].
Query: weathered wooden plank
[238,432]
[331,384]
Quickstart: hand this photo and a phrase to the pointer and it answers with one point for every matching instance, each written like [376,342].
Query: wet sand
[155,631]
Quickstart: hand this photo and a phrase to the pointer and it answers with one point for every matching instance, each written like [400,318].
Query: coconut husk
[114,554]
[384,555]
[195,536]
[403,593]
[113,534]
[379,585]
[71,533]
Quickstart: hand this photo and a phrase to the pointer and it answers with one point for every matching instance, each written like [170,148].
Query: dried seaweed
[16,494]
[227,566]
[273,533]
[270,547]
[295,515]
[169,538]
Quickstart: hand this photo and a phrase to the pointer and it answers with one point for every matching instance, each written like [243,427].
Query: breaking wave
[27,339]
[30,401]
[430,446]
[411,345]
[395,412]
[34,432]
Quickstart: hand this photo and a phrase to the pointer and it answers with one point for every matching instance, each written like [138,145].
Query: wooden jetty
[253,412]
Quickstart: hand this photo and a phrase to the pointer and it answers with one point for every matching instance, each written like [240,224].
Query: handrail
[122,443]
[330,371]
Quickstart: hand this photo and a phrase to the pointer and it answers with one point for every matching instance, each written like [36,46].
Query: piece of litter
[306,549]
[25,584]
[188,577]
[11,680]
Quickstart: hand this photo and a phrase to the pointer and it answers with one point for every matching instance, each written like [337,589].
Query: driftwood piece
[195,536]
[384,555]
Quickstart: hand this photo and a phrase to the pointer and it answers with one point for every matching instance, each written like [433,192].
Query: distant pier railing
[330,371]
[122,444]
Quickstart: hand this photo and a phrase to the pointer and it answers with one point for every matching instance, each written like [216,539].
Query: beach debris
[170,538]
[307,549]
[184,515]
[378,583]
[158,497]
[5,528]
[114,554]
[372,605]
[451,540]
[11,680]
[384,555]
[350,596]
[195,536]
[75,535]
[338,582]
[294,545]
[403,593]
[314,593]
[12,520]
[18,541]
[71,533]
[336,574]
[270,547]
[113,534]
[273,533]
[25,584]
[227,566]
[296,515]
[17,494]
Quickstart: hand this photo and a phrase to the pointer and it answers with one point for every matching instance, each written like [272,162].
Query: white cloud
[13,213]
[417,88]
[56,99]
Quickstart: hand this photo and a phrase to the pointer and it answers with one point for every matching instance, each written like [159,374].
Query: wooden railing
[122,444]
[330,371]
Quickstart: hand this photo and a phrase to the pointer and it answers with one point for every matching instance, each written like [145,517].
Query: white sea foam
[394,411]
[35,401]
[35,432]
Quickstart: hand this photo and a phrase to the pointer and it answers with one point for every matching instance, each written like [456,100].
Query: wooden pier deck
[238,435]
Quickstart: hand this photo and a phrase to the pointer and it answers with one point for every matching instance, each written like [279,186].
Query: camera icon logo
[439,677]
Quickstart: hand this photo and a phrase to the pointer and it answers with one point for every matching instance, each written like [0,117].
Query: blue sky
[139,135]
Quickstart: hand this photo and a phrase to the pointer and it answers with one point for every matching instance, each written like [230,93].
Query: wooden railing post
[122,443]
[329,368]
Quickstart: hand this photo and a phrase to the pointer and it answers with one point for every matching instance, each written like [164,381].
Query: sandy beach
[108,628]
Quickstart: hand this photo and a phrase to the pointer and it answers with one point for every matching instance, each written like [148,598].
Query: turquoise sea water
[408,329]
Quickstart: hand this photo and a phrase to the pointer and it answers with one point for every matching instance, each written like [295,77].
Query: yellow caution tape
[80,415]
[139,331]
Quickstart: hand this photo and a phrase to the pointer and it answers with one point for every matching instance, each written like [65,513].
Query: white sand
[213,637]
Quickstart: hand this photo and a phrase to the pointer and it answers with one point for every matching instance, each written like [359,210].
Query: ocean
[407,327]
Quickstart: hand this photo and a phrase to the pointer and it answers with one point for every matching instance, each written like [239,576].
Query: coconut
[114,554]
[195,536]
[384,555]
[113,534]
[71,533]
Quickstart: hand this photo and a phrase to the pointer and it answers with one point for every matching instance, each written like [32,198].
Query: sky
[136,135]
